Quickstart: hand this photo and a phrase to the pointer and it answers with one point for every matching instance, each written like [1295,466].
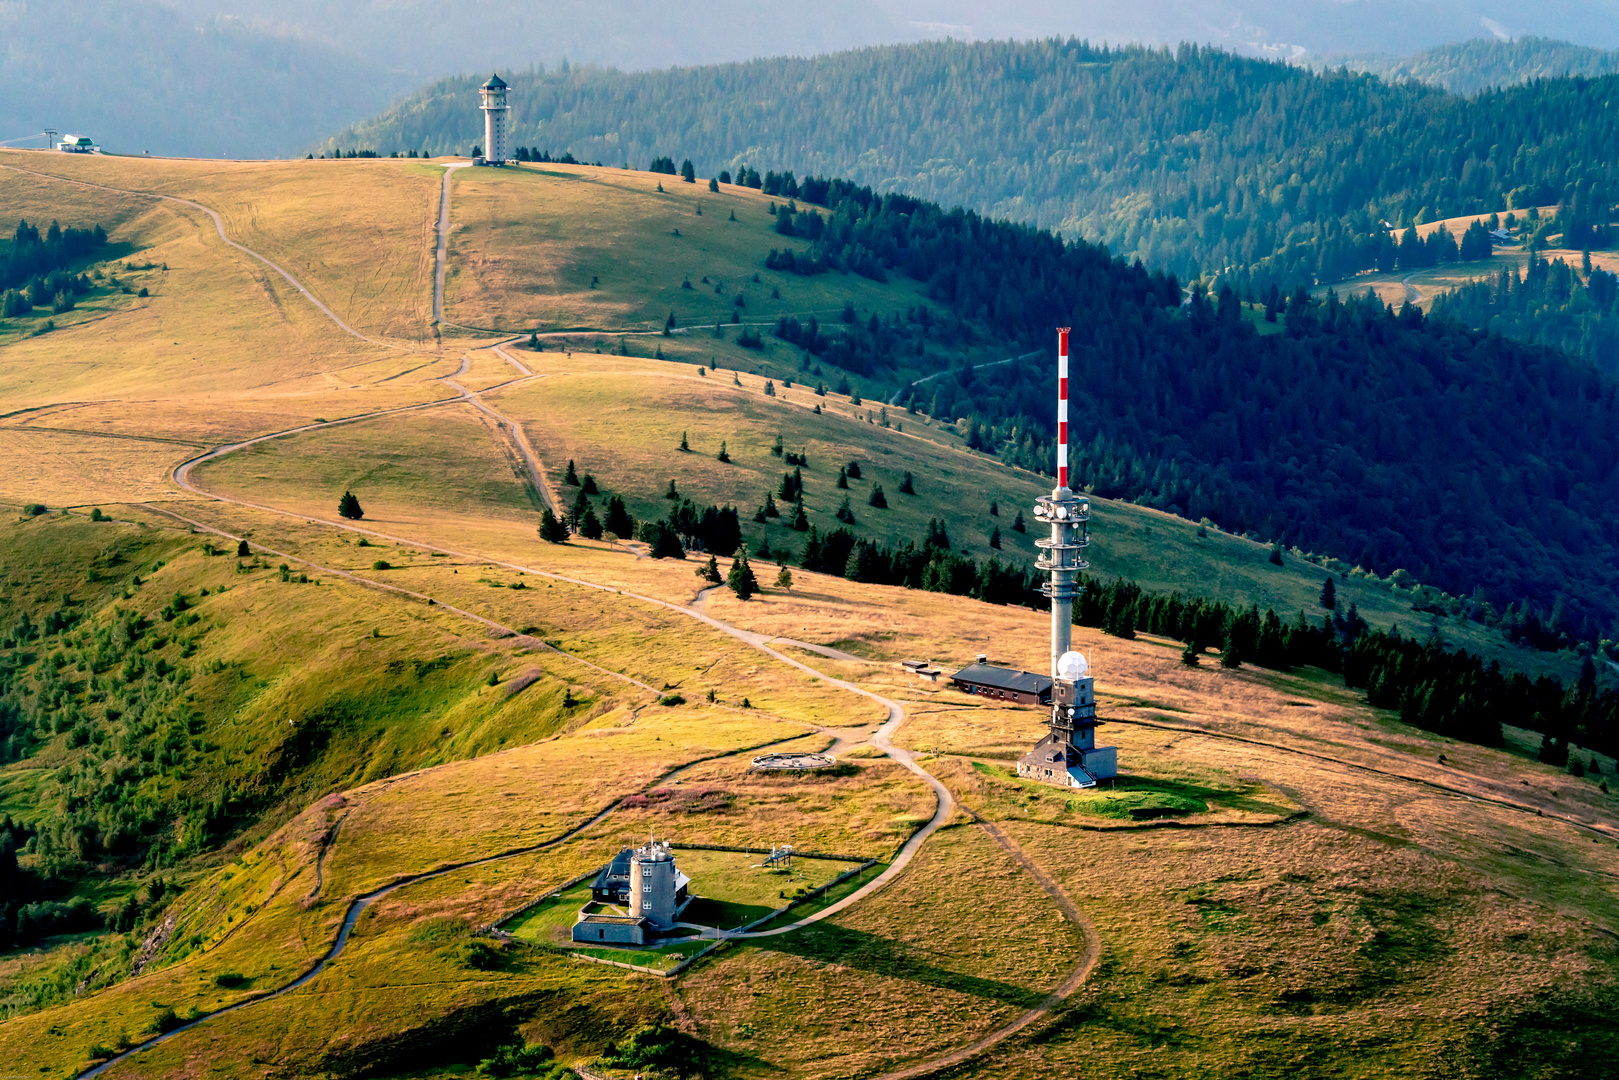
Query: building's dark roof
[495,83]
[618,869]
[1024,682]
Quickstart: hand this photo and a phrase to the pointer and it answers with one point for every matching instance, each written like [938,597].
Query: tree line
[1195,160]
[34,269]
[1546,302]
[1365,433]
[1451,692]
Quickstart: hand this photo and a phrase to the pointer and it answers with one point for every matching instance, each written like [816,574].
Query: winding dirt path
[881,738]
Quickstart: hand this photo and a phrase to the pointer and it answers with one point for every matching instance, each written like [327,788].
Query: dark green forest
[1486,467]
[1197,161]
[1548,302]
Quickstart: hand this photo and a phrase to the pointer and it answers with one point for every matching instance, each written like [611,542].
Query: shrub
[381,564]
[33,509]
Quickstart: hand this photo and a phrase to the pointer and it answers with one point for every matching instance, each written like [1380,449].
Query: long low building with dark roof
[1004,684]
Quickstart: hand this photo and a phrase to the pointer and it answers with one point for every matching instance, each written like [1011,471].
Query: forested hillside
[1551,303]
[1390,440]
[1485,63]
[1194,161]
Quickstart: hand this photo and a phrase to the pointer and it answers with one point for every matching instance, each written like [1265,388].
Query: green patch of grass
[1131,798]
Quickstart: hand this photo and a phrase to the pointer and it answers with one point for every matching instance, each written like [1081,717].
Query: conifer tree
[843,479]
[844,513]
[770,506]
[1329,595]
[590,526]
[800,519]
[776,448]
[784,579]
[589,486]
[995,538]
[740,578]
[619,522]
[906,487]
[994,508]
[552,528]
[242,551]
[671,493]
[349,507]
[684,445]
[1191,654]
[710,571]
[1018,525]
[1231,654]
[878,499]
[572,477]
[724,455]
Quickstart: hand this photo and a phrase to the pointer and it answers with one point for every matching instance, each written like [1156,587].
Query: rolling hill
[1469,67]
[327,765]
[1199,161]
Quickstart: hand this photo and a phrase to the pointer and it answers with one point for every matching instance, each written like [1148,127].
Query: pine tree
[1329,595]
[905,485]
[878,499]
[688,172]
[1017,523]
[572,477]
[349,507]
[800,519]
[994,508]
[1231,655]
[590,527]
[684,445]
[995,538]
[853,469]
[1276,554]
[843,479]
[619,522]
[740,578]
[770,506]
[1191,654]
[776,448]
[723,455]
[710,571]
[784,579]
[581,503]
[844,514]
[671,493]
[552,528]
[242,551]
[589,486]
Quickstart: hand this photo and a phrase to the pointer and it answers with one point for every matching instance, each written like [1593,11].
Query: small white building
[77,144]
[496,120]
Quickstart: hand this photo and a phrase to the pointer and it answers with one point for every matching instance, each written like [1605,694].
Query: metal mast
[1069,516]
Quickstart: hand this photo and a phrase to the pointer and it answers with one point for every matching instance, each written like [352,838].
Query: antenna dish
[1072,665]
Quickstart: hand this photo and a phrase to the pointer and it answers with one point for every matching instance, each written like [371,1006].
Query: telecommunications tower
[1068,756]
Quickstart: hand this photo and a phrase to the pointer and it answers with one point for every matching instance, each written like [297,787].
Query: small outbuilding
[78,144]
[1004,684]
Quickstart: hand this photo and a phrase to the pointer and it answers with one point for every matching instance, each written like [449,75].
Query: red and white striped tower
[1062,407]
[1069,516]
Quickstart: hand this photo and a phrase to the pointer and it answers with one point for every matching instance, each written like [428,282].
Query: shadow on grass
[826,944]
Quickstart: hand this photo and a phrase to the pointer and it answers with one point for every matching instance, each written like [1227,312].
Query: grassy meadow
[431,699]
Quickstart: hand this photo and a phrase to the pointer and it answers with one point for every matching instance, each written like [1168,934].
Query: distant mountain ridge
[1197,161]
[1468,67]
[269,77]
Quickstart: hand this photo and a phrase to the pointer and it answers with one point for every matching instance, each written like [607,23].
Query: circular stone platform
[800,762]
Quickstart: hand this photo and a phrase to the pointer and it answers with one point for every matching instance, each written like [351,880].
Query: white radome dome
[1072,665]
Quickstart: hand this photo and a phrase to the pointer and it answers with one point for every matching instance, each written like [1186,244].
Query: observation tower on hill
[1068,756]
[495,120]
